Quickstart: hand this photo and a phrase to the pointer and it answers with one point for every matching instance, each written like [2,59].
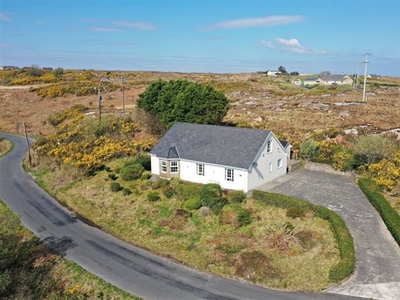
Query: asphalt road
[129,268]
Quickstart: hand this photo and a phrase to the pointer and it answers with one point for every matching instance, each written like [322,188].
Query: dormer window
[269,146]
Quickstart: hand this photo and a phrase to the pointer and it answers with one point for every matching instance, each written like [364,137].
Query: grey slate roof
[221,145]
[333,77]
[284,143]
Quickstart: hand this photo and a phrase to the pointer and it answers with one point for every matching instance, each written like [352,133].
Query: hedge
[378,201]
[345,267]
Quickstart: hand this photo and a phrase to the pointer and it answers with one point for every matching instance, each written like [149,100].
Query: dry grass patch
[203,240]
[5,146]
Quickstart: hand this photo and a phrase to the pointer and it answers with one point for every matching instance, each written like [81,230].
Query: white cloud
[120,26]
[266,44]
[105,29]
[6,17]
[135,25]
[291,45]
[255,22]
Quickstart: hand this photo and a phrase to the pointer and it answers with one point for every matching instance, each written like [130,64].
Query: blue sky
[220,36]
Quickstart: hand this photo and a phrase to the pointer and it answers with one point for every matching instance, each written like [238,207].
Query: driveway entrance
[377,272]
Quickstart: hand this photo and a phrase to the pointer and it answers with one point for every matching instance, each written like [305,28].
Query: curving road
[129,268]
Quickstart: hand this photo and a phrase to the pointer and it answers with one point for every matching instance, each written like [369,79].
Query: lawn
[273,249]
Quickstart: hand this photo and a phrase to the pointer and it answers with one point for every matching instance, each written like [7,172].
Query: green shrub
[112,176]
[308,149]
[145,175]
[192,203]
[345,266]
[153,196]
[378,201]
[211,196]
[131,172]
[144,161]
[187,190]
[217,206]
[169,192]
[236,196]
[159,183]
[126,191]
[115,187]
[236,215]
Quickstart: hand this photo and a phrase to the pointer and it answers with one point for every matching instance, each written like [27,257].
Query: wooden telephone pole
[27,145]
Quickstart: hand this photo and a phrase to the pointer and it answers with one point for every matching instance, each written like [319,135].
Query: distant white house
[335,79]
[273,73]
[324,80]
[374,76]
[235,158]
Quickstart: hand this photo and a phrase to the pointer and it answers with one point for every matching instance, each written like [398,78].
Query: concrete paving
[377,273]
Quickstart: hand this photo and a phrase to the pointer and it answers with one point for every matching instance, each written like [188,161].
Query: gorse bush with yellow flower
[373,155]
[386,173]
[85,143]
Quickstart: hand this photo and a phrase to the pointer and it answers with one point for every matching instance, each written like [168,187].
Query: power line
[366,62]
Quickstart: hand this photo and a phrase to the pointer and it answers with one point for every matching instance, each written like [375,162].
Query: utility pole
[100,99]
[27,145]
[123,94]
[365,75]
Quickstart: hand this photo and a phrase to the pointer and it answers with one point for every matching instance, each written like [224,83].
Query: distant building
[335,79]
[324,80]
[374,76]
[273,73]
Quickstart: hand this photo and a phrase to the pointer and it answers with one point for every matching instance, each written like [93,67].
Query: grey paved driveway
[378,256]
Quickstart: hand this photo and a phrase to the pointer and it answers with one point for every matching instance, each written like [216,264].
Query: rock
[344,114]
[351,131]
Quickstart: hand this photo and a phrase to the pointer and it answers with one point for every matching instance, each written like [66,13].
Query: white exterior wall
[244,180]
[155,165]
[213,174]
[261,174]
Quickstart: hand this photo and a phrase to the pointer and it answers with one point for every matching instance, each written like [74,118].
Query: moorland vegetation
[100,170]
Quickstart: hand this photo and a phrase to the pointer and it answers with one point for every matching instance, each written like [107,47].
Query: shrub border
[383,207]
[345,267]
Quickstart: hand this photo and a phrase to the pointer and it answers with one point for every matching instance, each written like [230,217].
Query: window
[163,166]
[280,163]
[229,175]
[270,167]
[174,167]
[269,146]
[200,169]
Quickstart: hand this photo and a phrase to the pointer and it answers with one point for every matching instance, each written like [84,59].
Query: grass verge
[5,146]
[28,270]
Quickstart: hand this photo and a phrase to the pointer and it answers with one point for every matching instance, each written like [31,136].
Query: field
[256,100]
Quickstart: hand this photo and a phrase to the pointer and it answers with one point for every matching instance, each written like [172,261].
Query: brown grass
[201,240]
[5,146]
[256,101]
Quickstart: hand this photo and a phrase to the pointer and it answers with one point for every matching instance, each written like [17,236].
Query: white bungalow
[235,158]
